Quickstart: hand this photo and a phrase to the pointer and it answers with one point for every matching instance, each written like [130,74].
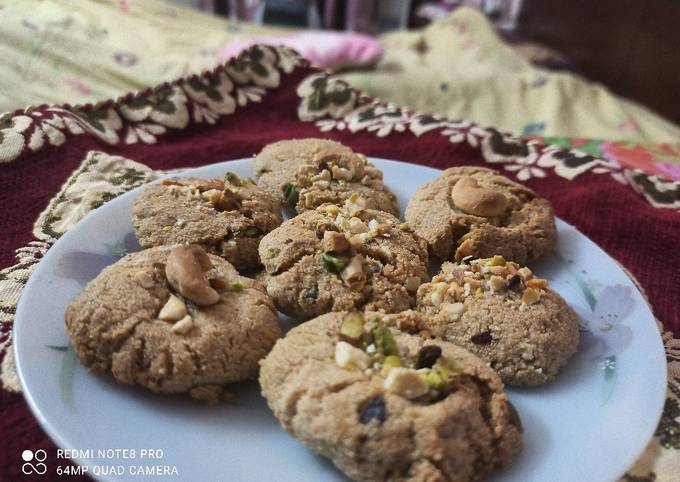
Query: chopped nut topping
[525,273]
[173,310]
[334,241]
[437,296]
[183,326]
[342,174]
[531,296]
[497,283]
[412,283]
[540,283]
[357,226]
[145,279]
[353,274]
[348,356]
[454,310]
[405,382]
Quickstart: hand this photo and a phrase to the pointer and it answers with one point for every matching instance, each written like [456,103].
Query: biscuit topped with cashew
[173,319]
[306,173]
[227,217]
[342,258]
[476,211]
[504,314]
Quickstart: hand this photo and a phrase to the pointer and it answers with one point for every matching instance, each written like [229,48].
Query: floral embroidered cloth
[59,162]
[85,51]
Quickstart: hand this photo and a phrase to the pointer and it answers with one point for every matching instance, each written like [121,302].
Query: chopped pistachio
[290,194]
[404,227]
[479,292]
[443,372]
[233,178]
[309,295]
[352,326]
[334,262]
[392,361]
[384,341]
[237,286]
[497,260]
[251,232]
[273,252]
[167,228]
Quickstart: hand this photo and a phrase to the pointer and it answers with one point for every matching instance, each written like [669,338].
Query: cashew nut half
[478,201]
[185,270]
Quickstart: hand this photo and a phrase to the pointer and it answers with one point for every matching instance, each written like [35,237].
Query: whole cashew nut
[185,270]
[478,201]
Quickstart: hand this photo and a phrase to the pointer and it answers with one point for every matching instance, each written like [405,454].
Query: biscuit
[343,258]
[503,314]
[476,211]
[173,320]
[306,173]
[347,386]
[227,217]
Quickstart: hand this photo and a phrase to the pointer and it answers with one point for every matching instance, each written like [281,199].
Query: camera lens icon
[39,456]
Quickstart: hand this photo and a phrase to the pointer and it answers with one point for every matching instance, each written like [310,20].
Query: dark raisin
[428,356]
[515,283]
[514,417]
[483,338]
[375,267]
[288,241]
[373,409]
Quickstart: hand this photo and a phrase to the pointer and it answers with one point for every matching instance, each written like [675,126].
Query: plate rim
[56,436]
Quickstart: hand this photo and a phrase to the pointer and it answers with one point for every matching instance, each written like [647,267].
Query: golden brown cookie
[227,217]
[342,258]
[476,211]
[503,314]
[385,405]
[174,320]
[306,173]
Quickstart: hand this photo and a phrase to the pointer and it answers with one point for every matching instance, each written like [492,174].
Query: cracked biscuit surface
[343,258]
[476,211]
[174,320]
[227,217]
[306,173]
[366,414]
[503,314]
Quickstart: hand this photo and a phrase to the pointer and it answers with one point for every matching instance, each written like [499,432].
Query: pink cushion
[331,50]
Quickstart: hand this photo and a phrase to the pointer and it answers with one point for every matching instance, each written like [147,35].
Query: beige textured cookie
[343,258]
[385,405]
[476,211]
[174,320]
[503,314]
[227,217]
[306,173]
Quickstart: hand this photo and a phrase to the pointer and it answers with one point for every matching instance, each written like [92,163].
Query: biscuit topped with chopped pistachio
[173,319]
[504,314]
[345,257]
[476,211]
[227,217]
[386,405]
[306,173]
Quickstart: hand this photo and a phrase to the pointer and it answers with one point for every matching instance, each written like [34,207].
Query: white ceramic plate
[590,424]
